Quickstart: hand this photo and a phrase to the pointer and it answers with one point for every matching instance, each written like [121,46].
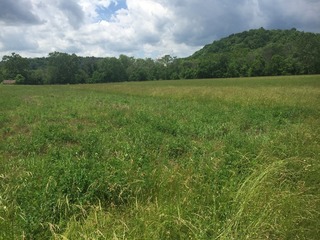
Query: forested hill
[257,52]
[260,52]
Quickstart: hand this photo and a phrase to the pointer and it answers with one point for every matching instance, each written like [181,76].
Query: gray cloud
[17,12]
[73,12]
[301,14]
[197,23]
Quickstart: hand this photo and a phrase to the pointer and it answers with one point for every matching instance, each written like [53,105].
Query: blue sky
[141,28]
[106,13]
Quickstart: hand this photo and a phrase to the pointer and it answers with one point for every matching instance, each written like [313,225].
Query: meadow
[187,159]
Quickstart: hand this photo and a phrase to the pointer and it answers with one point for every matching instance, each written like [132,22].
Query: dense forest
[256,52]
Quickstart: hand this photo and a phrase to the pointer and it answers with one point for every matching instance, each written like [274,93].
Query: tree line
[256,52]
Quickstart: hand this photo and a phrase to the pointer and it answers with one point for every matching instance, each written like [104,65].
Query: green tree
[88,65]
[309,54]
[14,65]
[257,67]
[63,68]
[126,61]
[206,68]
[276,66]
[233,69]
[20,79]
[1,73]
[189,69]
[138,71]
[164,65]
[109,70]
[37,77]
[175,68]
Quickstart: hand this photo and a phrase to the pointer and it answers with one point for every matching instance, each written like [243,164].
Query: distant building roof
[9,81]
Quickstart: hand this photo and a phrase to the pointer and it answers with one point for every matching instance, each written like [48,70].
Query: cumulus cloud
[144,28]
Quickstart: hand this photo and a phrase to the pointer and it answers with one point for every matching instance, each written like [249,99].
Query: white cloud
[12,38]
[144,28]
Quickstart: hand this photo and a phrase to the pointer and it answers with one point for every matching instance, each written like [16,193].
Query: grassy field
[195,159]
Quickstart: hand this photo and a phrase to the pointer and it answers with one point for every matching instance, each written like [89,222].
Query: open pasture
[188,159]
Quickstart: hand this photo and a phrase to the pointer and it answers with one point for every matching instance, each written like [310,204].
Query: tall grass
[196,159]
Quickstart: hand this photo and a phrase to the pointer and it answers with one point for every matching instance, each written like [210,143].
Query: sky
[141,28]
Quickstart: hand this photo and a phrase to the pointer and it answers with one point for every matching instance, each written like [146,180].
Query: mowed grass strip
[191,159]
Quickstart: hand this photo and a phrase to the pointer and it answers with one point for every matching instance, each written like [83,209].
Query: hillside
[257,52]
[260,52]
